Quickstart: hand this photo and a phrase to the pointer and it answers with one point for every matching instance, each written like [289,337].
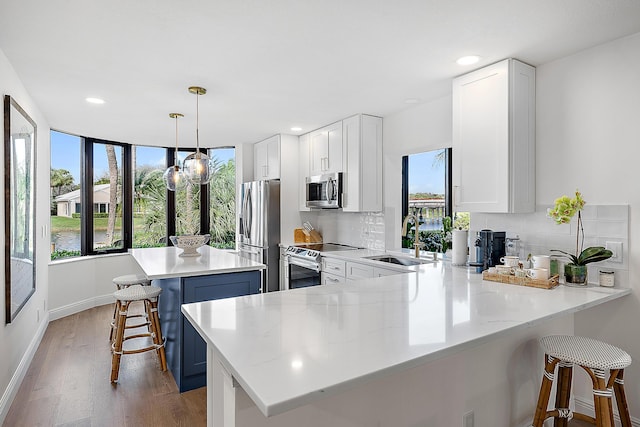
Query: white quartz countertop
[287,349]
[165,262]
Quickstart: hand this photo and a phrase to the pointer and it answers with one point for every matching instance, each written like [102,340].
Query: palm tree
[113,192]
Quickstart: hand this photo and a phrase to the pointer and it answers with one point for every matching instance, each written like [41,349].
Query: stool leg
[545,391]
[158,340]
[563,391]
[113,322]
[621,399]
[601,398]
[116,346]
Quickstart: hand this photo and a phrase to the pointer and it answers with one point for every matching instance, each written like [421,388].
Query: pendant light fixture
[173,177]
[198,167]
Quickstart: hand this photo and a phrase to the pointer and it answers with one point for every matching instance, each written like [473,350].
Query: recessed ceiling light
[468,60]
[412,101]
[296,129]
[95,100]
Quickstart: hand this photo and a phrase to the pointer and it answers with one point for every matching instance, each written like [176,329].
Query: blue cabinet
[186,351]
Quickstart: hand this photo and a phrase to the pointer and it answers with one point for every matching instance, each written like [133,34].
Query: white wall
[588,127]
[82,283]
[20,338]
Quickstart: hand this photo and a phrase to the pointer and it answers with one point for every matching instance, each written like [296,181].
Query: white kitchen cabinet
[357,271]
[362,159]
[494,139]
[266,159]
[380,272]
[334,266]
[325,150]
[303,165]
[328,279]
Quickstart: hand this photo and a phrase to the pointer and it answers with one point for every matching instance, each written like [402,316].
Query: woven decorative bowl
[190,243]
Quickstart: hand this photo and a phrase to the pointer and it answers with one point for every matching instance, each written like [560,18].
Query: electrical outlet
[616,248]
[467,419]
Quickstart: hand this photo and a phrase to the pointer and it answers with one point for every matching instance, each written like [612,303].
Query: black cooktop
[326,247]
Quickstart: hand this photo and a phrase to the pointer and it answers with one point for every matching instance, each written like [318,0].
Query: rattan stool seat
[137,293]
[130,280]
[585,352]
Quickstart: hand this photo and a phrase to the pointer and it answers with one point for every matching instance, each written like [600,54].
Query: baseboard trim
[14,384]
[586,407]
[79,306]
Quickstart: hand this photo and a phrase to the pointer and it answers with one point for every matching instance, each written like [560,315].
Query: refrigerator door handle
[249,213]
[249,251]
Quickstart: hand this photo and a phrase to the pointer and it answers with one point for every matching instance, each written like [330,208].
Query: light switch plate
[616,248]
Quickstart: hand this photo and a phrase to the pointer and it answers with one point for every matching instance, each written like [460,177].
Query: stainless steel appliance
[260,228]
[302,263]
[490,247]
[324,191]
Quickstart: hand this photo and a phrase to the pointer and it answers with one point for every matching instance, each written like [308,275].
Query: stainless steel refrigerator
[260,228]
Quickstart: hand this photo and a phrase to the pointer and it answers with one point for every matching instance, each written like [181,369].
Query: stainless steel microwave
[324,191]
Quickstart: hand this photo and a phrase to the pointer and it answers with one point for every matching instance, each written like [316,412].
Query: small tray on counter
[510,279]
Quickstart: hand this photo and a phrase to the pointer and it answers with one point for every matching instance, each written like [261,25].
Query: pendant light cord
[198,125]
[175,154]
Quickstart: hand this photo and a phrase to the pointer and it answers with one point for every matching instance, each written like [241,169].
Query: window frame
[448,183]
[87,145]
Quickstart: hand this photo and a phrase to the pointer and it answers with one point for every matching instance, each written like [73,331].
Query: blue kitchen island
[215,274]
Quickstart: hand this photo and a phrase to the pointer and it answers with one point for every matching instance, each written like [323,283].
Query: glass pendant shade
[174,179]
[198,168]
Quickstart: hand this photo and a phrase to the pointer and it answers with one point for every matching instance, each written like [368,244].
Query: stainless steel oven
[303,264]
[299,273]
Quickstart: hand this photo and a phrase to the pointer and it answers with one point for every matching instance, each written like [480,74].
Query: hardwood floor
[68,384]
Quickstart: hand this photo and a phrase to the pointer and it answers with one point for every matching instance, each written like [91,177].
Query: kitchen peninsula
[212,275]
[412,349]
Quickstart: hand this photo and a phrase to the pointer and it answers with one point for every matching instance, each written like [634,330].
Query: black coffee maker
[489,249]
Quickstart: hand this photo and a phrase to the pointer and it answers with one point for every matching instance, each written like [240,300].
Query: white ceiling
[269,65]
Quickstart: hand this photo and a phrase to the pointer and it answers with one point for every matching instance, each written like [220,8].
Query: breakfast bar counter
[214,274]
[300,355]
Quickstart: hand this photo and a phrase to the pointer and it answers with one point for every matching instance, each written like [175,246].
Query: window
[110,197]
[107,194]
[426,190]
[66,196]
[222,199]
[188,206]
[149,197]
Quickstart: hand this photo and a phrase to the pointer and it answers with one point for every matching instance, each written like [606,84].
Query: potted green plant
[575,271]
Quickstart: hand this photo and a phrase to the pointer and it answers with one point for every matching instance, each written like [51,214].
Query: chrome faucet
[416,240]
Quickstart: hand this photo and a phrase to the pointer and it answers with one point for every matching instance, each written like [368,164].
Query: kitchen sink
[398,260]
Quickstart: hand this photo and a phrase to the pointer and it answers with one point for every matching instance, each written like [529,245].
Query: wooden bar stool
[122,282]
[595,357]
[124,297]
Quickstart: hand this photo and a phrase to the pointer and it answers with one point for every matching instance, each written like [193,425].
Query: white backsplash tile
[539,234]
[361,229]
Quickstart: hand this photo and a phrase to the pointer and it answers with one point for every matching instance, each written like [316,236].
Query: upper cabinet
[362,142]
[266,159]
[303,164]
[352,146]
[494,139]
[325,150]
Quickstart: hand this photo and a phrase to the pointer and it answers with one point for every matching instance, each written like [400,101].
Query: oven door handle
[302,263]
